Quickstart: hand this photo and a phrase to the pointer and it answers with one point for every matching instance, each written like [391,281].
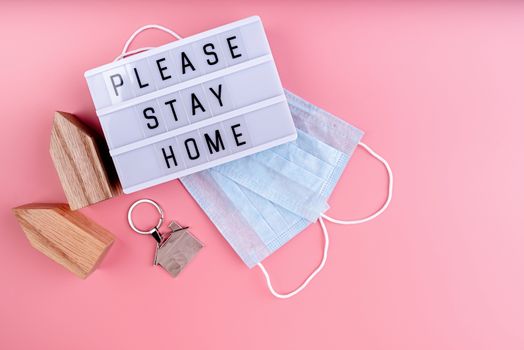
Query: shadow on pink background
[438,88]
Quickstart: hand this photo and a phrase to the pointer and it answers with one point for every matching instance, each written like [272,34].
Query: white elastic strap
[386,203]
[324,230]
[311,276]
[125,53]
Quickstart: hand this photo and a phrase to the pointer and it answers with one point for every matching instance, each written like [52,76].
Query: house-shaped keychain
[176,249]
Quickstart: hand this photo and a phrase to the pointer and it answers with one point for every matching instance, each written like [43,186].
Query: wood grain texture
[78,163]
[67,237]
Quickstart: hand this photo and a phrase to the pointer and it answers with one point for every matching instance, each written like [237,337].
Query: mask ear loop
[386,203]
[325,232]
[310,277]
[125,51]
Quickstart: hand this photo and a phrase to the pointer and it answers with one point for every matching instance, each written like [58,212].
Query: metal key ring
[130,219]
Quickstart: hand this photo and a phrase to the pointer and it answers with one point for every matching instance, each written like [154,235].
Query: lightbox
[191,104]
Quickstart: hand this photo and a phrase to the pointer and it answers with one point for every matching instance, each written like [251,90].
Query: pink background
[438,87]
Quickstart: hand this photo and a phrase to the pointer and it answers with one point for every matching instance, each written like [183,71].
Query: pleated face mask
[260,202]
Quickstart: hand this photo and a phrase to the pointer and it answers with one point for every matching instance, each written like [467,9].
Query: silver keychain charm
[175,248]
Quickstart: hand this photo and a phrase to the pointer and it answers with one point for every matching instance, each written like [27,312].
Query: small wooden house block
[78,163]
[67,237]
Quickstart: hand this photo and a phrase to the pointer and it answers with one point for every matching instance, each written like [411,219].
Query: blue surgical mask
[260,202]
